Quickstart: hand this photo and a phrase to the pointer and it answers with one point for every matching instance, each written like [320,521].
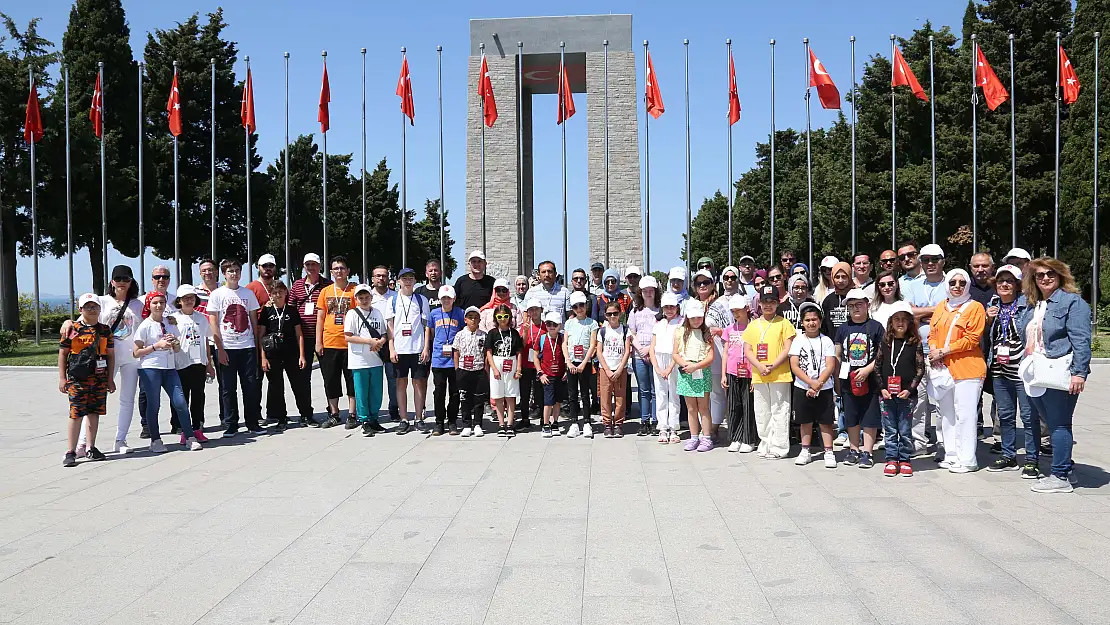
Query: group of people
[859,358]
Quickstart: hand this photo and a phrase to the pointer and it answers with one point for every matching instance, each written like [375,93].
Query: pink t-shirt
[735,362]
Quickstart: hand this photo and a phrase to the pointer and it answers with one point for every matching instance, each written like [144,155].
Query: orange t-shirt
[965,362]
[260,293]
[334,303]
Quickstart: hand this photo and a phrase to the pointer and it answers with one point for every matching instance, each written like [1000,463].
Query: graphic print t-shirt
[859,342]
[335,302]
[612,344]
[504,343]
[232,310]
[811,353]
[470,346]
[132,317]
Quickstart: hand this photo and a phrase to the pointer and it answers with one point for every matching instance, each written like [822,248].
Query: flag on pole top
[652,96]
[404,91]
[96,113]
[32,123]
[826,89]
[733,96]
[985,77]
[246,109]
[173,107]
[566,98]
[1069,82]
[903,76]
[485,91]
[323,115]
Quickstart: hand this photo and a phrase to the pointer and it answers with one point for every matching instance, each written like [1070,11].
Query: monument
[510,235]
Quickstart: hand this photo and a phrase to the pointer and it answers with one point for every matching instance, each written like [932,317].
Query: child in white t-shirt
[366,332]
[614,346]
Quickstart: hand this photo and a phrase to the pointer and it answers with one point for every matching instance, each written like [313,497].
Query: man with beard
[233,317]
[267,267]
[923,295]
[553,296]
[888,261]
[302,296]
[430,289]
[381,298]
[982,275]
[475,288]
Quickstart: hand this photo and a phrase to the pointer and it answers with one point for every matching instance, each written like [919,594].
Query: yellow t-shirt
[775,334]
[335,303]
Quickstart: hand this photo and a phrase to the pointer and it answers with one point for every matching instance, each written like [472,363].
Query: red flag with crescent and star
[652,96]
[96,113]
[1069,82]
[733,96]
[903,76]
[985,77]
[404,91]
[246,108]
[173,107]
[566,99]
[826,89]
[485,91]
[32,122]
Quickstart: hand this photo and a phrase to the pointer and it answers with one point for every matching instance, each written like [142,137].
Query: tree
[425,239]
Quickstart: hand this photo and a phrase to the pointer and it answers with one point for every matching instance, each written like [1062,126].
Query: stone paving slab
[328,527]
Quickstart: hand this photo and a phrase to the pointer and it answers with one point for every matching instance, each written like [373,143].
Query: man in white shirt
[861,274]
[410,341]
[233,317]
[552,295]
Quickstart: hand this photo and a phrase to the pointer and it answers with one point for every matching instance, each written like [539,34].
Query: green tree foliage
[425,239]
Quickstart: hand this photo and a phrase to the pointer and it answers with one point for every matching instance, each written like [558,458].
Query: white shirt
[664,334]
[149,333]
[359,355]
[612,345]
[882,313]
[557,299]
[195,331]
[125,331]
[410,318]
[232,310]
[811,355]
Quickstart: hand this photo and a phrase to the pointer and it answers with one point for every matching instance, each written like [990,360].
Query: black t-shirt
[471,292]
[790,311]
[285,320]
[859,342]
[980,294]
[504,343]
[431,294]
[835,308]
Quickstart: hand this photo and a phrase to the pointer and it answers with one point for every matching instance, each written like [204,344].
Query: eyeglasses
[268,266]
[1045,275]
[787,259]
[729,278]
[501,317]
[928,260]
[338,269]
[161,277]
[887,285]
[957,283]
[775,278]
[612,314]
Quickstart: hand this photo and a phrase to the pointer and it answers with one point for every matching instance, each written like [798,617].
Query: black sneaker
[352,422]
[70,459]
[1003,464]
[367,430]
[1046,448]
[618,431]
[403,427]
[94,454]
[510,432]
[258,429]
[230,432]
[1030,471]
[938,457]
[373,425]
[865,461]
[394,416]
[852,457]
[996,448]
[145,433]
[502,431]
[282,425]
[332,421]
[309,422]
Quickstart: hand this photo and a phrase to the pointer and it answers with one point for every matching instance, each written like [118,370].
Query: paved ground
[327,527]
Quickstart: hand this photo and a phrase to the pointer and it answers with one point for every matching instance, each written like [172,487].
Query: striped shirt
[301,296]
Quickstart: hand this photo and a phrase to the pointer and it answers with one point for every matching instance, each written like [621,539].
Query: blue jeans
[241,363]
[1010,400]
[897,428]
[645,382]
[1057,408]
[391,389]
[153,382]
[368,392]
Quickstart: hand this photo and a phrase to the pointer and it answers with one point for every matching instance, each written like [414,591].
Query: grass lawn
[28,354]
[1103,347]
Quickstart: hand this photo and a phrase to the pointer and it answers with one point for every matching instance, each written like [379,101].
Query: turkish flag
[173,107]
[985,77]
[733,96]
[246,108]
[826,89]
[404,90]
[485,91]
[566,99]
[903,76]
[96,113]
[32,123]
[1069,82]
[653,99]
[323,115]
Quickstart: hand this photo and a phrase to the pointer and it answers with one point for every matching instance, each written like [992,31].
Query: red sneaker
[199,435]
[891,469]
[906,469]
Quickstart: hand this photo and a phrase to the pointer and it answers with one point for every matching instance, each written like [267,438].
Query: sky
[266,29]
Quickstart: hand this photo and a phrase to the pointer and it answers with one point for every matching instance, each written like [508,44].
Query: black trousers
[445,396]
[741,411]
[531,395]
[581,392]
[287,364]
[473,395]
[193,378]
[333,365]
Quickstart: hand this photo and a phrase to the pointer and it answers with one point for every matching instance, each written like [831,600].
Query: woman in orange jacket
[957,325]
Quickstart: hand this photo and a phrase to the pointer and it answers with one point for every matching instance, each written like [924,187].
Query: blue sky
[266,29]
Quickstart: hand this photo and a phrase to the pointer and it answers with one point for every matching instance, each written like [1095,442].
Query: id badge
[406,329]
[507,365]
[845,371]
[194,353]
[101,364]
[761,352]
[894,384]
[338,319]
[468,362]
[447,349]
[531,355]
[1002,354]
[579,352]
[309,308]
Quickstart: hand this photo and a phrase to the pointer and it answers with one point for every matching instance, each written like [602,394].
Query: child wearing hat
[445,322]
[767,341]
[468,352]
[549,359]
[857,343]
[85,361]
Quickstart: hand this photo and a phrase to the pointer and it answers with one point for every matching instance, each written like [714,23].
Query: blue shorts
[409,364]
[554,392]
[861,411]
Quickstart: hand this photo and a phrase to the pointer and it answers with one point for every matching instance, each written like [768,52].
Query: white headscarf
[953,301]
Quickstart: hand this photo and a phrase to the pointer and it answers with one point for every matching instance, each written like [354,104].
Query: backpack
[82,365]
[417,299]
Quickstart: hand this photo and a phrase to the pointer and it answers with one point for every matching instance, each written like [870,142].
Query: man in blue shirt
[923,295]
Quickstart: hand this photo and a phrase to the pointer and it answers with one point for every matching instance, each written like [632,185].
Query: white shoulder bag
[1039,372]
[941,381]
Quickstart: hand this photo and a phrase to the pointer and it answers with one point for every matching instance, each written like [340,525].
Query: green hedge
[51,323]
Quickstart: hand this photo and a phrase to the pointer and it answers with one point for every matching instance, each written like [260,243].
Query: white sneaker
[842,440]
[830,460]
[466,433]
[478,431]
[573,431]
[880,444]
[946,464]
[122,448]
[746,448]
[587,431]
[156,446]
[959,468]
[194,444]
[664,436]
[81,450]
[734,447]
[804,457]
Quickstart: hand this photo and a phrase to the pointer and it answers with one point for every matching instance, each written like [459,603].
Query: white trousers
[959,411]
[772,417]
[126,388]
[920,418]
[667,401]
[717,394]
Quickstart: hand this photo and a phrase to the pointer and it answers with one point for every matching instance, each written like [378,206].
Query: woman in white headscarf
[957,324]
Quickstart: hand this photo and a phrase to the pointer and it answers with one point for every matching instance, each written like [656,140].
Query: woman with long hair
[1056,324]
[641,322]
[887,292]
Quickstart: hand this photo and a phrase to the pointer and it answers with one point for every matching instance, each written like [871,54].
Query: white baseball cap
[829,261]
[857,294]
[632,270]
[553,317]
[578,297]
[703,273]
[747,257]
[501,283]
[86,298]
[649,282]
[1017,252]
[447,291]
[267,259]
[738,301]
[694,308]
[677,273]
[670,298]
[312,257]
[531,303]
[363,288]
[1010,269]
[470,309]
[734,270]
[476,254]
[185,289]
[901,306]
[932,249]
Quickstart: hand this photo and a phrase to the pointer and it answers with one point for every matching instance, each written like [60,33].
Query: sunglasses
[269,266]
[704,265]
[908,255]
[702,283]
[928,260]
[787,259]
[551,324]
[729,278]
[122,279]
[886,285]
[775,278]
[957,283]
[612,314]
[1045,275]
[887,261]
[499,289]
[611,281]
[1009,281]
[577,305]
[502,317]
[161,277]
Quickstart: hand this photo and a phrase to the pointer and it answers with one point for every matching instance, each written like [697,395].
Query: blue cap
[404,271]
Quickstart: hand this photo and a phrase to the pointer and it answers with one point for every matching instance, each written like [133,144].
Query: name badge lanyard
[337,300]
[895,359]
[762,345]
[813,354]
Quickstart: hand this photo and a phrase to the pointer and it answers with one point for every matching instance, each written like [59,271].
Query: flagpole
[364,275]
[1013,151]
[212,183]
[728,46]
[689,244]
[247,169]
[933,135]
[442,208]
[809,158]
[404,182]
[69,202]
[519,154]
[142,241]
[647,175]
[1094,223]
[605,80]
[852,40]
[893,155]
[772,146]
[482,126]
[974,147]
[324,173]
[564,81]
[1056,176]
[177,204]
[35,223]
[285,167]
[104,176]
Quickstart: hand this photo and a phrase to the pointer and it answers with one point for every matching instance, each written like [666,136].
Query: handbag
[941,381]
[274,342]
[1039,371]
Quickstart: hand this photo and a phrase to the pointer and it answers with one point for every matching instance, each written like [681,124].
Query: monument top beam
[581,33]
